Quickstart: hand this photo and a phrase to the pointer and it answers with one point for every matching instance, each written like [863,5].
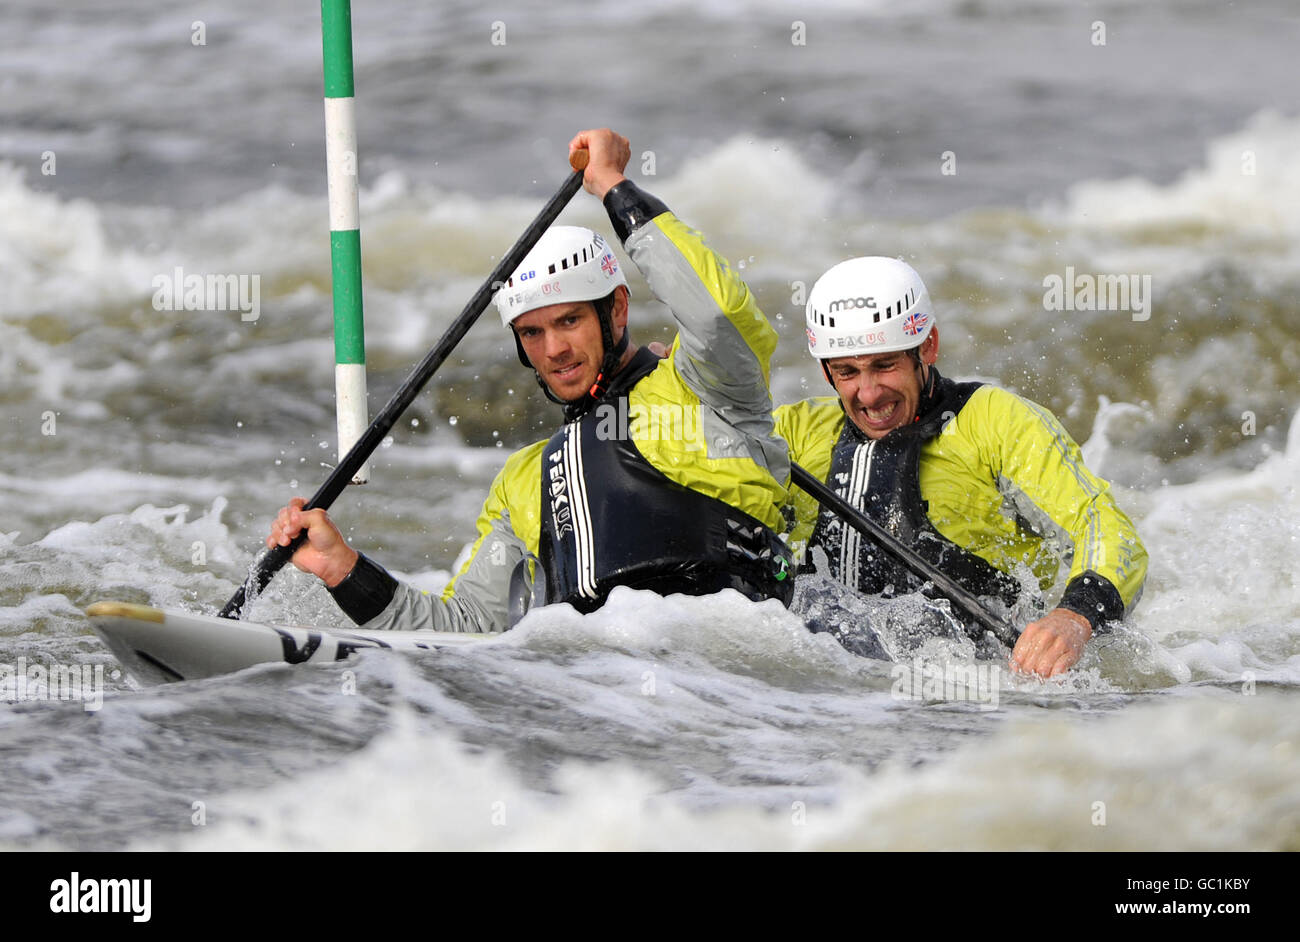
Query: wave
[424,790]
[757,197]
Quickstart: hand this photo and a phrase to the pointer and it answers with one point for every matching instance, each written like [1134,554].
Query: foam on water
[686,722]
[56,254]
[759,200]
[1231,209]
[1045,783]
[1222,595]
[729,10]
[1247,184]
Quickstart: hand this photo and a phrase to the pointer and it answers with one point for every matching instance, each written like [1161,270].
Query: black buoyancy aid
[882,478]
[609,518]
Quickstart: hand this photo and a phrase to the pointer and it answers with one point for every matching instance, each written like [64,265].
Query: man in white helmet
[667,474]
[980,482]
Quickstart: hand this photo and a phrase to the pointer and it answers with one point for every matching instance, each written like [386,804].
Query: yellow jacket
[1006,482]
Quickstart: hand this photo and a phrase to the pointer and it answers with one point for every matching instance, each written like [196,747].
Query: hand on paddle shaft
[324,553]
[609,152]
[338,480]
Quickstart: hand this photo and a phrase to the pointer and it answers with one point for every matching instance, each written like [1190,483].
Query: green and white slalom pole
[345,228]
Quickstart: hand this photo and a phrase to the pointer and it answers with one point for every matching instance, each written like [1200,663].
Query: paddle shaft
[274,560]
[967,603]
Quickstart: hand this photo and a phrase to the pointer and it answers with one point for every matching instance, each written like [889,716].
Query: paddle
[274,560]
[967,603]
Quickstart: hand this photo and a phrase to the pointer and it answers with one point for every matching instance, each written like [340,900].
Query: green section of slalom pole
[349,330]
[336,41]
[345,245]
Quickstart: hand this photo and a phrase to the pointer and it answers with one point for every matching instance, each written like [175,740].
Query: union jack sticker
[915,323]
[609,264]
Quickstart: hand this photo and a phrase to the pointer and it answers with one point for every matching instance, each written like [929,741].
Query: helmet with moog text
[868,305]
[568,263]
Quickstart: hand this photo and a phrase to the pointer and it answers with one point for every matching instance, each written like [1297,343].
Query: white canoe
[156,646]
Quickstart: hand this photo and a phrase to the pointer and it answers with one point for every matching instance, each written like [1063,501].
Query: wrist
[1076,619]
[602,183]
[340,570]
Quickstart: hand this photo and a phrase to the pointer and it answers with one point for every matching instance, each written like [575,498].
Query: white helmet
[568,263]
[868,305]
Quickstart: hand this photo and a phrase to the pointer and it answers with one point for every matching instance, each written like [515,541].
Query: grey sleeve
[724,343]
[480,600]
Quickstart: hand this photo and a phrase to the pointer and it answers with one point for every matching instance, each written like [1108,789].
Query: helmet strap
[519,348]
[546,390]
[927,386]
[613,351]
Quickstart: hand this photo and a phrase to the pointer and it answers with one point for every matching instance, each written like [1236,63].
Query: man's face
[564,344]
[881,391]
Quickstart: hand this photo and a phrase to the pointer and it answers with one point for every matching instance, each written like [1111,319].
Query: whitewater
[146,447]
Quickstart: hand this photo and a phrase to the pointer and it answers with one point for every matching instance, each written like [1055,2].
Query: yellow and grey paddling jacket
[982,482]
[672,480]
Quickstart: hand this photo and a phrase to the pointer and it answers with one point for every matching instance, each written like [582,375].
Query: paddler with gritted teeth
[570,518]
[977,480]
